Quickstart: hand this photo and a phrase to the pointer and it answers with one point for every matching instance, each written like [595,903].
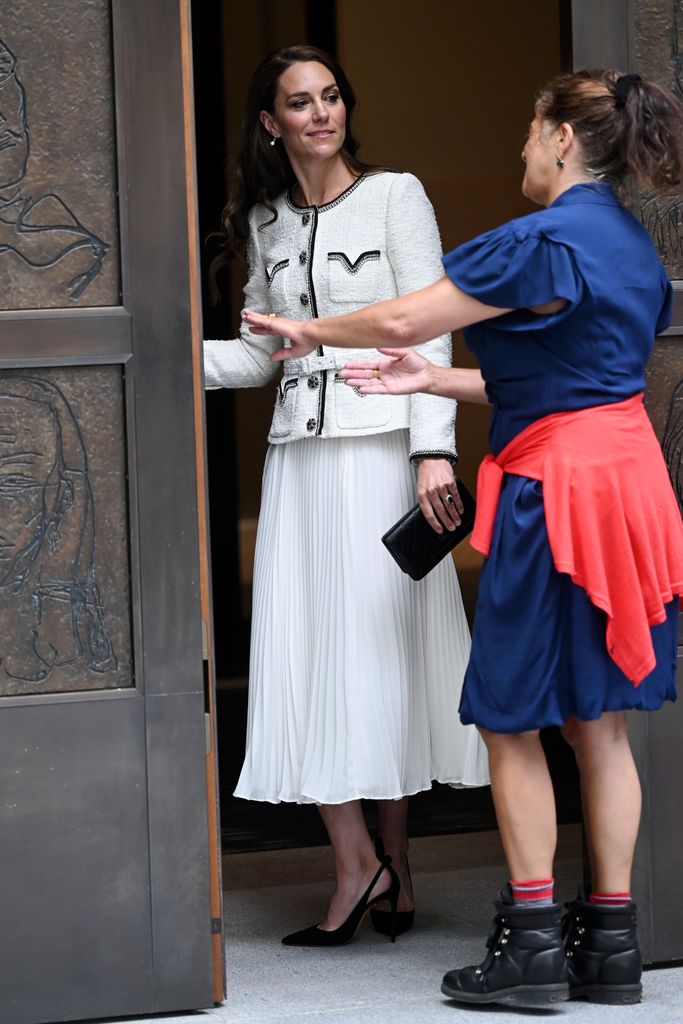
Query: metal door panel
[600,34]
[656,741]
[75,864]
[179,856]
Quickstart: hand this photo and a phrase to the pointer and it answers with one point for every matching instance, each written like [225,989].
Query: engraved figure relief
[50,609]
[672,441]
[676,50]
[40,232]
[663,216]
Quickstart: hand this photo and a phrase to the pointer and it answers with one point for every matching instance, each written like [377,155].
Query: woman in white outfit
[355,670]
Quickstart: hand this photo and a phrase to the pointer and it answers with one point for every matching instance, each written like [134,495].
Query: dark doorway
[237,423]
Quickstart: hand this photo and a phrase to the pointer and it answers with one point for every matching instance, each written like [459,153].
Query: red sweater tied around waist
[612,519]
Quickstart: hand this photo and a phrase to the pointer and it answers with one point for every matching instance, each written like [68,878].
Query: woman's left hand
[437,493]
[262,323]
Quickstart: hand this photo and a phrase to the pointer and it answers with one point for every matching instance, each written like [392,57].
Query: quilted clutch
[416,547]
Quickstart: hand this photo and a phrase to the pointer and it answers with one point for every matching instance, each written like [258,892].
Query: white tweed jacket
[377,240]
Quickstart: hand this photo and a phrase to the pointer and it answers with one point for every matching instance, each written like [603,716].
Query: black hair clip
[623,86]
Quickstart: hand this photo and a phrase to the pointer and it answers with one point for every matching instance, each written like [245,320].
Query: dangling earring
[273,140]
[559,161]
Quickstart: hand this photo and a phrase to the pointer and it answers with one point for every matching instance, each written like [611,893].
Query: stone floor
[371,981]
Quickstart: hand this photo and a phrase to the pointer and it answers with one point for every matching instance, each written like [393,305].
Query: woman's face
[540,157]
[309,113]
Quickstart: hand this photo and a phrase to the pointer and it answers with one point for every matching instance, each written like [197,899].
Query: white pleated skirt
[355,669]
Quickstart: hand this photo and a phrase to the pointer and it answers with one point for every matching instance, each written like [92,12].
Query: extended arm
[465,385]
[404,371]
[398,323]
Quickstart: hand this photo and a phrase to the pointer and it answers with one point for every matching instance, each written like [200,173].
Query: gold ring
[375,373]
[271,315]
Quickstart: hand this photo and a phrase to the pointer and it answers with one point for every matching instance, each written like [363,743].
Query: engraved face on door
[13,131]
[51,614]
[32,495]
[41,234]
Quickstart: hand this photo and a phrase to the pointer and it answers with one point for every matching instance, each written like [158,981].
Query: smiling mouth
[323,133]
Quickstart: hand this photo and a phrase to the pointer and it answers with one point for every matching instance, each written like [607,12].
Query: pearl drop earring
[559,161]
[273,140]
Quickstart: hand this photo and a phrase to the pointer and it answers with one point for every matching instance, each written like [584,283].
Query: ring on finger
[449,499]
[375,373]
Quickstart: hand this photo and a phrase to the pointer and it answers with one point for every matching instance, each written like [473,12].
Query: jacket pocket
[276,279]
[285,407]
[355,411]
[353,278]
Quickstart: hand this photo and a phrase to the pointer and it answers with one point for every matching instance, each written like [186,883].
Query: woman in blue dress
[577,611]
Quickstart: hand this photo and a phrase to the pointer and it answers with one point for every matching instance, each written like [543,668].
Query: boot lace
[572,930]
[498,936]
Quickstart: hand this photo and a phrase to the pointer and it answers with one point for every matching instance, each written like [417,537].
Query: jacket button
[303,256]
[305,219]
[313,381]
[310,425]
[304,299]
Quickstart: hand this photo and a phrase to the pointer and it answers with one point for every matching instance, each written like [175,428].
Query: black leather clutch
[417,548]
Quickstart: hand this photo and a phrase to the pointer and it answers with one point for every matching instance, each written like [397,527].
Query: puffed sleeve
[514,268]
[244,362]
[414,250]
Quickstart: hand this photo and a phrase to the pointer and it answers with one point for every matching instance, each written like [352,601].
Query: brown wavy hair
[261,172]
[630,129]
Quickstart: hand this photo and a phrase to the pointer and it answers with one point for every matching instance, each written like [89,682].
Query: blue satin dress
[538,645]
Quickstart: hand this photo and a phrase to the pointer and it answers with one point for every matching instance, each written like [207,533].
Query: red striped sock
[537,892]
[610,899]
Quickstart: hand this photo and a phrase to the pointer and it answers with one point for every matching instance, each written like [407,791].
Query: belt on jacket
[316,364]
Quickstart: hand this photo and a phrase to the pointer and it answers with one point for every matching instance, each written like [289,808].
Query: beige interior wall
[446,91]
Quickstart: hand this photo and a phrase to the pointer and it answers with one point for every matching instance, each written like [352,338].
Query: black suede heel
[315,936]
[382,919]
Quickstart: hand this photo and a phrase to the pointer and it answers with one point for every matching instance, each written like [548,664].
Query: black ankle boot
[602,953]
[525,964]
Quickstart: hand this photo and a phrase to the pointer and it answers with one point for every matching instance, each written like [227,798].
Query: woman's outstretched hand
[262,323]
[402,372]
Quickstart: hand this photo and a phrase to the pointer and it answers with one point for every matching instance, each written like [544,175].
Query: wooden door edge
[215,890]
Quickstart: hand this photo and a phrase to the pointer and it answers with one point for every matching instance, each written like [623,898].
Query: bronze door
[110,896]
